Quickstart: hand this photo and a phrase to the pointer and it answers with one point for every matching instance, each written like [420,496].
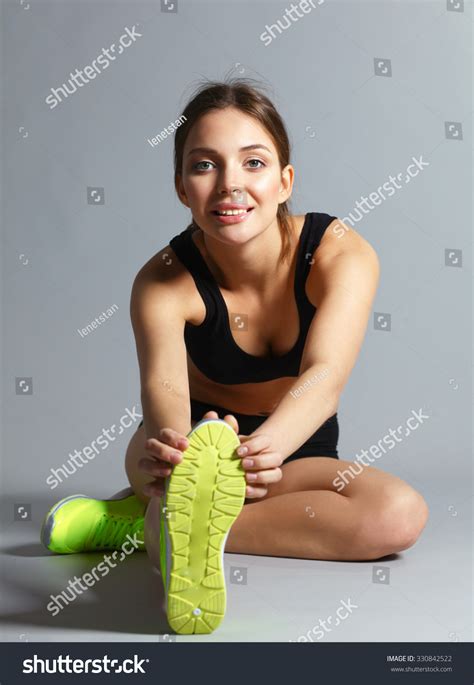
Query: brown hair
[241,94]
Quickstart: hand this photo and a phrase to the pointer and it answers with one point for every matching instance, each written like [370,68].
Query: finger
[264,477]
[228,418]
[266,460]
[254,444]
[172,438]
[155,467]
[232,421]
[163,452]
[154,489]
[253,492]
[245,438]
[211,414]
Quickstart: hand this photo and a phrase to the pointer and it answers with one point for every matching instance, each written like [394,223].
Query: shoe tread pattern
[206,493]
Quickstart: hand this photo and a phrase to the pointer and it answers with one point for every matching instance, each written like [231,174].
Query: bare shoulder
[344,258]
[340,238]
[337,238]
[165,279]
[163,267]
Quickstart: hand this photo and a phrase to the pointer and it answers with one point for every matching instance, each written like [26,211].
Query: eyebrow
[210,150]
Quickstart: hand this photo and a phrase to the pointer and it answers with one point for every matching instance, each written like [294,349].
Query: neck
[253,267]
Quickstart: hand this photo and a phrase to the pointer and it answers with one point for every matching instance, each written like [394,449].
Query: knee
[136,477]
[411,511]
[396,524]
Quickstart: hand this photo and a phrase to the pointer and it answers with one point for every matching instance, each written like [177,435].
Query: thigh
[337,475]
[135,452]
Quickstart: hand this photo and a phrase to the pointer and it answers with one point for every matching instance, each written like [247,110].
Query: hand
[264,468]
[163,455]
[168,451]
[266,462]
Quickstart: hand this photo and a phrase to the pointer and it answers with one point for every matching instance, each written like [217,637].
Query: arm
[342,283]
[158,325]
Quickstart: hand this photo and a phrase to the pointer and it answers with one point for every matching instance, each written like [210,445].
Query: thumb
[232,421]
[228,418]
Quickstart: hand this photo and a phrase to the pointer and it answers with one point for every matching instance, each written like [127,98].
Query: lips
[230,205]
[237,218]
[229,208]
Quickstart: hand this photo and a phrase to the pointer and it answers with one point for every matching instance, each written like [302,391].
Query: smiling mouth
[232,212]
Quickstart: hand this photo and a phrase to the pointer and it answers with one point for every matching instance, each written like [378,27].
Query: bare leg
[377,514]
[304,516]
[135,452]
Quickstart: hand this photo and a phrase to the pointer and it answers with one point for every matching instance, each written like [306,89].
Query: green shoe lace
[111,531]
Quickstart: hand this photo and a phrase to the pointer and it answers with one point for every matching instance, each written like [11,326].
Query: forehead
[227,129]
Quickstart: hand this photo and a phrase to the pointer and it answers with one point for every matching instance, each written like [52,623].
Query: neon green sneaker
[203,497]
[82,524]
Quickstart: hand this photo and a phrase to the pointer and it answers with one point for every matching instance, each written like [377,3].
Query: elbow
[334,403]
[333,397]
[335,382]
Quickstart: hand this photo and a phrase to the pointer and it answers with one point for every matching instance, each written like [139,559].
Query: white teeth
[232,212]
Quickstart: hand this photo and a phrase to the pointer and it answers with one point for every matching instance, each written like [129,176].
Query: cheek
[265,184]
[197,186]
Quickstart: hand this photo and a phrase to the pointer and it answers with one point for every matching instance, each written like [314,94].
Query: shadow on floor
[31,550]
[127,599]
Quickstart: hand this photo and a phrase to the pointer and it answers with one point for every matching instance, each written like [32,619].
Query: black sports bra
[211,345]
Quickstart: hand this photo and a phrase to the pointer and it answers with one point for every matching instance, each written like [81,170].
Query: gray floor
[423,594]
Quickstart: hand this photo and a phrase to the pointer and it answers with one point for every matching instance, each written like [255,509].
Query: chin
[234,235]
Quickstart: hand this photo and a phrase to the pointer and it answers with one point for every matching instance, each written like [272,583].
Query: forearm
[163,408]
[311,400]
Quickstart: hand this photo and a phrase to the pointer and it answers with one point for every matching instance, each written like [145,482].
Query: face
[209,176]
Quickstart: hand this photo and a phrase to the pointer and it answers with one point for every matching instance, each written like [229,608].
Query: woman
[255,317]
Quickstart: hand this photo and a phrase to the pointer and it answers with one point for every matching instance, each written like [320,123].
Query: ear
[180,190]
[286,185]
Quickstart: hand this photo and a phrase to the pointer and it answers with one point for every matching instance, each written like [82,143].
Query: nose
[232,193]
[236,195]
[229,181]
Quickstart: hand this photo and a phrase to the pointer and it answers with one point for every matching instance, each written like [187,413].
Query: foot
[82,524]
[186,529]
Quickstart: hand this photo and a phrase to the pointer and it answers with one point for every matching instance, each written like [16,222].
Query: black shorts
[323,443]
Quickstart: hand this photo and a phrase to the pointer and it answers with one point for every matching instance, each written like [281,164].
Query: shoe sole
[203,497]
[49,521]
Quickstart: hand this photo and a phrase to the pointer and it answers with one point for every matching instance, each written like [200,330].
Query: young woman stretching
[255,317]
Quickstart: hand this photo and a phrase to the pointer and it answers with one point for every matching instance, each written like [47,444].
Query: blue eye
[257,160]
[195,166]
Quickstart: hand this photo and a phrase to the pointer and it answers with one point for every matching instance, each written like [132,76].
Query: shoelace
[111,530]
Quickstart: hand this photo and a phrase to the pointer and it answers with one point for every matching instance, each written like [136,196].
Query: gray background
[64,261]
